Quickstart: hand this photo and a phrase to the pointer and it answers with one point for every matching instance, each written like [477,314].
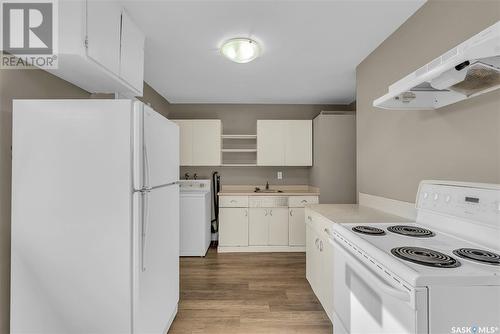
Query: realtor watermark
[29,34]
[474,329]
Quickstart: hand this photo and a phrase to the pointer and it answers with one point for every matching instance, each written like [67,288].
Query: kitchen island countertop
[354,213]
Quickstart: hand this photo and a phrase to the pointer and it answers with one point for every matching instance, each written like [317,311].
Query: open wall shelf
[239,150]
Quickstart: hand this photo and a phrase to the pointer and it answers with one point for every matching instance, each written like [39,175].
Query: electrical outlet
[280,175]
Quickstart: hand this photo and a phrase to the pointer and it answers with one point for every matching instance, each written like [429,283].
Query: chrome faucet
[195,176]
[267,185]
[186,176]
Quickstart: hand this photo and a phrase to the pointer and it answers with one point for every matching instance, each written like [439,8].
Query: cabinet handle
[266,212]
[309,217]
[233,201]
[316,242]
[246,213]
[327,231]
[303,201]
[291,213]
[321,245]
[271,212]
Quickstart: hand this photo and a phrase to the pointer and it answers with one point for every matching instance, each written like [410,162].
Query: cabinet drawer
[301,201]
[318,223]
[233,201]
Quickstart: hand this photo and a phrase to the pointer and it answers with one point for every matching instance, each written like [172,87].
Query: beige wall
[334,164]
[397,149]
[30,84]
[242,119]
[155,100]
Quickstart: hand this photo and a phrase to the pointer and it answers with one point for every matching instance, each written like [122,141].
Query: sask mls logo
[28,31]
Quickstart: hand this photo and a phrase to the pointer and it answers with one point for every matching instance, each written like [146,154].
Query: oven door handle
[376,280]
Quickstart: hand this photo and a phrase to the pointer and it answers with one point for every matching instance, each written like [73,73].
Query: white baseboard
[260,249]
[392,206]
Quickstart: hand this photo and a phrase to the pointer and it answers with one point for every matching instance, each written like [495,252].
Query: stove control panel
[478,202]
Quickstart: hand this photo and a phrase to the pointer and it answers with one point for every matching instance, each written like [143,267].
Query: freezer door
[157,263]
[71,222]
[156,148]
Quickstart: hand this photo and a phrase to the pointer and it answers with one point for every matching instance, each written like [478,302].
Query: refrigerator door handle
[144,226]
[147,181]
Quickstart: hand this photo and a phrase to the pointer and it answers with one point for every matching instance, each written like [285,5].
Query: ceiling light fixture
[240,50]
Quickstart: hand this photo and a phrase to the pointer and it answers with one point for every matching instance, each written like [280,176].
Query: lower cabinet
[311,268]
[263,223]
[258,227]
[319,264]
[268,227]
[233,229]
[296,227]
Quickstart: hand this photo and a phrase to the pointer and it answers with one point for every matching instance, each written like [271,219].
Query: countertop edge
[291,193]
[369,215]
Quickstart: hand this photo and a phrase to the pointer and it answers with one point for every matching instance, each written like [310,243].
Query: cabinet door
[312,259]
[233,227]
[326,281]
[258,227]
[270,143]
[132,53]
[206,142]
[185,142]
[309,253]
[298,142]
[296,227]
[278,226]
[103,34]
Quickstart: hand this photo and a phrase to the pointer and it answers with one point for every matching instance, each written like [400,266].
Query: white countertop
[354,213]
[287,190]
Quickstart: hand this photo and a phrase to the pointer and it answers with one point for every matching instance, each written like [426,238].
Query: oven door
[364,302]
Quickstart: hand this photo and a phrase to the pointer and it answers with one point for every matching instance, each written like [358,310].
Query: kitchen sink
[272,191]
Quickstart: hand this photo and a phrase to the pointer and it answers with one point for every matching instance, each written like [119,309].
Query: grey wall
[155,100]
[242,119]
[30,84]
[334,159]
[397,149]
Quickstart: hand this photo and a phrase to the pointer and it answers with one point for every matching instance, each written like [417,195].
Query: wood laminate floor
[247,293]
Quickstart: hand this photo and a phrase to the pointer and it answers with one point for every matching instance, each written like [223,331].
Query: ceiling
[310,48]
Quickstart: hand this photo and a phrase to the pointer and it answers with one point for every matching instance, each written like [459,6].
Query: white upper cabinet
[131,53]
[298,143]
[207,142]
[270,143]
[185,142]
[103,34]
[284,142]
[100,49]
[200,142]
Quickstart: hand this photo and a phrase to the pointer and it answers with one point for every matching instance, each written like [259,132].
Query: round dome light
[240,50]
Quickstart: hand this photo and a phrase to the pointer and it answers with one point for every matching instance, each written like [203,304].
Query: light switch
[280,175]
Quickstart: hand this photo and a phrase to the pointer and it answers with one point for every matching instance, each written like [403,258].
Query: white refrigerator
[95,218]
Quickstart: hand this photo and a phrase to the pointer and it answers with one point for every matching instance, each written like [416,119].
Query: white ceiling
[310,48]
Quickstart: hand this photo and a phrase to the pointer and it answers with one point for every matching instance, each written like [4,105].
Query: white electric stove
[440,274]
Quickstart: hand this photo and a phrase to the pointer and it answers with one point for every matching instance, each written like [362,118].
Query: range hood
[470,69]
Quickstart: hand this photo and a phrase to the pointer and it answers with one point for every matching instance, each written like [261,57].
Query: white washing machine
[195,217]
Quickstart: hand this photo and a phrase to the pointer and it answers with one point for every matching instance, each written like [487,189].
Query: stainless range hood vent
[469,69]
[479,77]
